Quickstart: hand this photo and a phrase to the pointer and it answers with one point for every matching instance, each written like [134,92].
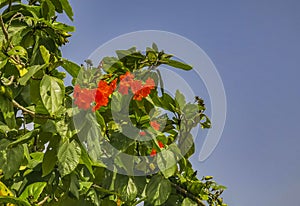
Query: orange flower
[142,133]
[125,82]
[136,85]
[142,93]
[153,152]
[138,88]
[155,125]
[83,97]
[150,83]
[103,92]
[143,90]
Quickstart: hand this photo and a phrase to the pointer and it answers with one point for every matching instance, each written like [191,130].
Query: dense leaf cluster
[63,157]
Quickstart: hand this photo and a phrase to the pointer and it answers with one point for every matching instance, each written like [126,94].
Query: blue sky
[255,47]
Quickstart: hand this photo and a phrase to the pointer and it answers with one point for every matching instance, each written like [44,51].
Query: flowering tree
[115,137]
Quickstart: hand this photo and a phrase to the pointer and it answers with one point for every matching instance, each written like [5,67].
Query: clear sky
[255,47]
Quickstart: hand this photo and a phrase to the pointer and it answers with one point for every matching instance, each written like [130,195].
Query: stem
[31,113]
[16,104]
[187,194]
[43,201]
[4,29]
[101,189]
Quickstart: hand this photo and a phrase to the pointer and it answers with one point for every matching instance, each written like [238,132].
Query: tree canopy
[113,137]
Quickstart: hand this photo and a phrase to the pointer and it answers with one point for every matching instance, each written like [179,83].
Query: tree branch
[31,113]
[187,194]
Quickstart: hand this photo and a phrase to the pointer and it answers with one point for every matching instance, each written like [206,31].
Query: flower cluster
[103,92]
[83,97]
[139,89]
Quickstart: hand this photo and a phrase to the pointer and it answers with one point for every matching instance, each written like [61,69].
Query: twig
[16,104]
[4,29]
[43,201]
[187,194]
[101,189]
[31,113]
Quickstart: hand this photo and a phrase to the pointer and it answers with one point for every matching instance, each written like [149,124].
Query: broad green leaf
[58,6]
[52,93]
[167,102]
[3,63]
[10,158]
[33,191]
[68,157]
[180,99]
[31,71]
[4,128]
[13,200]
[17,50]
[7,109]
[67,8]
[50,157]
[167,163]
[188,202]
[4,191]
[179,65]
[36,159]
[36,97]
[63,27]
[72,68]
[131,189]
[25,138]
[186,145]
[126,186]
[154,47]
[74,185]
[86,160]
[45,54]
[158,190]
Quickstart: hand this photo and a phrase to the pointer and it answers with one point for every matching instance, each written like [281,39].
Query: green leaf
[68,157]
[58,6]
[180,99]
[86,160]
[31,71]
[154,47]
[25,138]
[67,8]
[10,158]
[167,163]
[52,93]
[179,65]
[74,186]
[188,202]
[50,157]
[13,200]
[17,50]
[7,109]
[3,63]
[131,190]
[72,68]
[158,190]
[33,191]
[45,54]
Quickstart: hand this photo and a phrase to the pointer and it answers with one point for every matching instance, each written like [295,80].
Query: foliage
[57,161]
